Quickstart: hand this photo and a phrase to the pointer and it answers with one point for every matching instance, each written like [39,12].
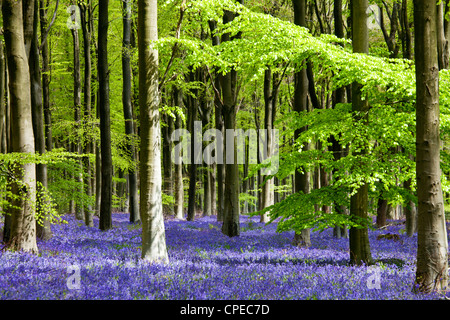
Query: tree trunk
[269,106]
[153,233]
[218,119]
[302,180]
[432,245]
[23,224]
[178,170]
[193,129]
[230,226]
[406,31]
[442,41]
[410,213]
[207,186]
[79,208]
[85,13]
[45,78]
[359,237]
[43,229]
[105,121]
[382,209]
[167,161]
[128,109]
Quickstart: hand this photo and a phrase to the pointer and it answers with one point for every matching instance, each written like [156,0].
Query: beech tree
[104,114]
[358,237]
[153,233]
[23,223]
[432,244]
[301,180]
[228,84]
[128,108]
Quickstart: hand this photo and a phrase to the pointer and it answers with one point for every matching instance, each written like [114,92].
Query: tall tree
[105,121]
[43,8]
[230,226]
[270,99]
[339,97]
[128,108]
[432,244]
[301,180]
[178,170]
[76,144]
[153,233]
[359,237]
[43,229]
[23,224]
[85,15]
[192,106]
[218,120]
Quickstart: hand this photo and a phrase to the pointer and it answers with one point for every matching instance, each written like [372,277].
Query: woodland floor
[205,264]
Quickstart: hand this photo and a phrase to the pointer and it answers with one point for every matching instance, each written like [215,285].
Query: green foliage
[377,153]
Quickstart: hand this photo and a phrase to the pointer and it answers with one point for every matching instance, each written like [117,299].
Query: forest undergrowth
[89,264]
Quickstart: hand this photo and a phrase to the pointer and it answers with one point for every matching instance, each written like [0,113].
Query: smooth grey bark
[205,111]
[23,223]
[432,244]
[359,237]
[442,41]
[43,229]
[270,98]
[410,208]
[153,233]
[228,84]
[167,160]
[127,100]
[218,120]
[45,77]
[301,86]
[178,168]
[105,120]
[410,212]
[76,145]
[192,105]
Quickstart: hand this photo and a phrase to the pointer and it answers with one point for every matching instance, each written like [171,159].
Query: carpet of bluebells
[205,264]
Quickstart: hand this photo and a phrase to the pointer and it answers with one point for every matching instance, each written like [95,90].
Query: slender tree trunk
[85,12]
[43,229]
[218,119]
[167,161]
[178,170]
[432,244]
[207,186]
[45,78]
[230,226]
[269,104]
[410,212]
[406,31]
[79,207]
[153,233]
[105,121]
[23,224]
[302,180]
[442,41]
[193,111]
[128,108]
[359,237]
[382,212]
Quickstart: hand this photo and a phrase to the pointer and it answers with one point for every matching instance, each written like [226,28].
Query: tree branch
[44,36]
[175,46]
